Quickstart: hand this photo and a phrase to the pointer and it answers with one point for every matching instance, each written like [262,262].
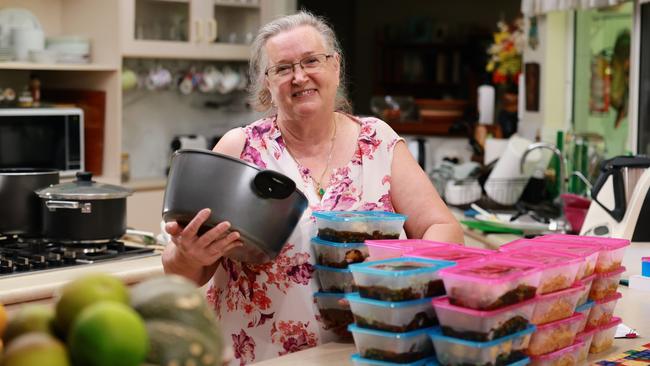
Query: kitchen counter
[16,289]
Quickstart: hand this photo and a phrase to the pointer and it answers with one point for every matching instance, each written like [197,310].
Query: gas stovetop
[30,255]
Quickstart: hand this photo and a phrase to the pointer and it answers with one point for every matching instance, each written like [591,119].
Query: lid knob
[84,176]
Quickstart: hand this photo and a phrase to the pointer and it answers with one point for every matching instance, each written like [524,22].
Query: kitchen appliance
[620,205]
[21,208]
[189,142]
[264,206]
[46,138]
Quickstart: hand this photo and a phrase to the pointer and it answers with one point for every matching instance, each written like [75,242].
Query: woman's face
[302,93]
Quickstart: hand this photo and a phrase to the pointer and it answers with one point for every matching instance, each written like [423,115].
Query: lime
[107,334]
[36,349]
[29,318]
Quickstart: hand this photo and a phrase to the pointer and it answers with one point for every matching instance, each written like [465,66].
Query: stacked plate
[70,49]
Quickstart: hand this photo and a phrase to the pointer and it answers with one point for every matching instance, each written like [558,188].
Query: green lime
[36,349]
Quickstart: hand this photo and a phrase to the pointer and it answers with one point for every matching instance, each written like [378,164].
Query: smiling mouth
[303,93]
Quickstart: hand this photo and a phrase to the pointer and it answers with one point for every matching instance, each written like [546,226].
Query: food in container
[604,336]
[553,336]
[584,310]
[588,252]
[398,317]
[393,347]
[491,283]
[333,315]
[338,255]
[399,279]
[358,226]
[584,294]
[605,284]
[383,249]
[567,356]
[456,352]
[335,279]
[357,360]
[558,269]
[585,337]
[453,253]
[482,326]
[602,311]
[557,305]
[611,249]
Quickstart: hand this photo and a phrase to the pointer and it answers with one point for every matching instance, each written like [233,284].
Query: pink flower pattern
[262,306]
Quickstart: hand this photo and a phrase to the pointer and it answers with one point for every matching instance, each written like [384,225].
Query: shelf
[56,67]
[186,50]
[419,128]
[236,5]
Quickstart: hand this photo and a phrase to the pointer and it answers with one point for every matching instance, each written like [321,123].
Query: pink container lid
[454,253]
[612,323]
[616,296]
[490,270]
[615,272]
[586,333]
[645,259]
[588,279]
[443,302]
[572,318]
[405,244]
[545,258]
[606,243]
[579,249]
[558,353]
[577,287]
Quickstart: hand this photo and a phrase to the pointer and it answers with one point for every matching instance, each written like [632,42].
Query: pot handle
[70,205]
[271,184]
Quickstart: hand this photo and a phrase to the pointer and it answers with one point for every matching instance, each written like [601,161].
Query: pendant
[321,192]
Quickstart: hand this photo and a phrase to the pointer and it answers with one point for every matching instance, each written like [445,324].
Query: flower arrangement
[505,54]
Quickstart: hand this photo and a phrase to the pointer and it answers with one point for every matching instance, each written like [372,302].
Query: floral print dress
[267,310]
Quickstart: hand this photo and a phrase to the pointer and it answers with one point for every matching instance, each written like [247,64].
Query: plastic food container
[455,352]
[556,305]
[584,310]
[453,253]
[358,226]
[482,326]
[338,255]
[335,279]
[566,356]
[392,347]
[611,249]
[584,294]
[333,315]
[399,279]
[588,252]
[604,336]
[553,336]
[601,313]
[398,317]
[585,337]
[490,283]
[357,360]
[605,284]
[558,269]
[383,249]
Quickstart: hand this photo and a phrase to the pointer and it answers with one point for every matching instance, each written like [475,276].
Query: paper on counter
[623,331]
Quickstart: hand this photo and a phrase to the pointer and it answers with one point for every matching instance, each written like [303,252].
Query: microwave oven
[51,138]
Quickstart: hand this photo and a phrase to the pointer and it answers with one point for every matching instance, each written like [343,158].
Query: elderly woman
[339,161]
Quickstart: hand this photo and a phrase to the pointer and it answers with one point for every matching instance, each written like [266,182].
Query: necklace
[320,190]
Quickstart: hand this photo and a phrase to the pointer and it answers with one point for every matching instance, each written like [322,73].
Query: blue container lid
[383,333]
[354,297]
[430,265]
[429,361]
[331,269]
[586,306]
[522,362]
[437,334]
[319,241]
[329,294]
[350,216]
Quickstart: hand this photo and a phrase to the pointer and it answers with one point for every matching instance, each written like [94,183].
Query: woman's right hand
[205,249]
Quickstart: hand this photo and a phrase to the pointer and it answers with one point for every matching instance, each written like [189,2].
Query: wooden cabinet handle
[198,31]
[212,30]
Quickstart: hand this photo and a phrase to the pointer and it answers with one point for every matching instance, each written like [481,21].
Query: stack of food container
[339,243]
[485,318]
[392,311]
[600,325]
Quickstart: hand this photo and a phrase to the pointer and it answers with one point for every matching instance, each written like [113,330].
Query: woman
[339,161]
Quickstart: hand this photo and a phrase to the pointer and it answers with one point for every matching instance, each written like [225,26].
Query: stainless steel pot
[20,207]
[263,205]
[84,211]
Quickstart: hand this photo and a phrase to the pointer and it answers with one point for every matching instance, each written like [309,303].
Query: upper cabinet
[193,29]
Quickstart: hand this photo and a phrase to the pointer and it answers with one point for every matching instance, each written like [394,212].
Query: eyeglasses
[309,64]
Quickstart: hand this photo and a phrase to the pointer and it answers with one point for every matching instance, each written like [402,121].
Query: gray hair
[260,97]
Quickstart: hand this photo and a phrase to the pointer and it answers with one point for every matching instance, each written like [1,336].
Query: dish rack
[505,191]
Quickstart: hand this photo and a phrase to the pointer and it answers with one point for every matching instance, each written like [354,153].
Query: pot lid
[84,188]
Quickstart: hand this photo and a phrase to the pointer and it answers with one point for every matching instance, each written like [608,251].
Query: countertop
[15,289]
